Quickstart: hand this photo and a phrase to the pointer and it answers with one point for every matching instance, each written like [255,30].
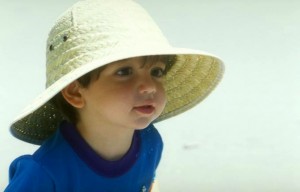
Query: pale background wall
[244,137]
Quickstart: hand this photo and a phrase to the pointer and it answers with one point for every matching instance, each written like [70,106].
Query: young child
[111,74]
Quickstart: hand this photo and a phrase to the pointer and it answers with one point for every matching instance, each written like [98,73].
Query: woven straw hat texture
[93,33]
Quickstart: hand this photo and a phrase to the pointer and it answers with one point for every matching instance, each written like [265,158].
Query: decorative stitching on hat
[65,38]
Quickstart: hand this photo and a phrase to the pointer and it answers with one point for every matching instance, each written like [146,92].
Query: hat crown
[94,29]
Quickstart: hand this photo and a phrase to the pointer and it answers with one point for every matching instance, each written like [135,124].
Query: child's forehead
[142,60]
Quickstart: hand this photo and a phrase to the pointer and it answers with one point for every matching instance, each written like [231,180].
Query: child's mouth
[145,109]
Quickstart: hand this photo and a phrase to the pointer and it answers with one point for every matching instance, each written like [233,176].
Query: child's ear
[72,95]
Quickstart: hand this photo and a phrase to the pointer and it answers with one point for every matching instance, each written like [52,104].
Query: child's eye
[124,71]
[157,72]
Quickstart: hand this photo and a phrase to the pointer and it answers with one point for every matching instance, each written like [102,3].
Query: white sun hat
[93,33]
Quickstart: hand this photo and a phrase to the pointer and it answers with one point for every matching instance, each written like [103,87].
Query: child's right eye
[124,71]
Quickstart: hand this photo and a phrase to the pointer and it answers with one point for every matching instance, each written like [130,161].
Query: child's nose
[147,85]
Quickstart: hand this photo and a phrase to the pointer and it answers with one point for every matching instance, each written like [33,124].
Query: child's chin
[142,125]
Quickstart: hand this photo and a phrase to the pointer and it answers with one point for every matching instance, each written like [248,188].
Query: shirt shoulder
[25,174]
[152,144]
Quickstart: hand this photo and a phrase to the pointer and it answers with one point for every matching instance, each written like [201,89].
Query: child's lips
[145,109]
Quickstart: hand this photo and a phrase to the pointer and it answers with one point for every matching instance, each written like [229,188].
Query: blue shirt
[65,162]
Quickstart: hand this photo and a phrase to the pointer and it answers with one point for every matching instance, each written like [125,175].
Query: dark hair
[71,114]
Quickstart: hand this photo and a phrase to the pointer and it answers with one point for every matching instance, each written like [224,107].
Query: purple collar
[93,160]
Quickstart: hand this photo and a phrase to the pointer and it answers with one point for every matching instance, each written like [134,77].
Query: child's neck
[111,143]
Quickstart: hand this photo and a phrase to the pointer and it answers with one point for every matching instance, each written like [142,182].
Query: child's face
[128,93]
